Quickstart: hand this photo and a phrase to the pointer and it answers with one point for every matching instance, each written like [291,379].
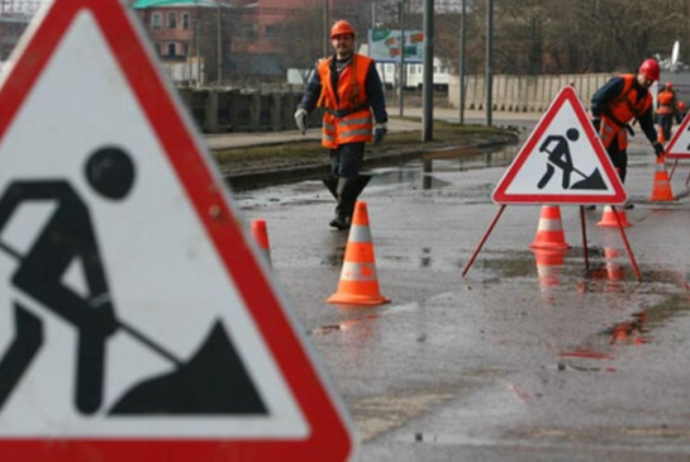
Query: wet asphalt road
[528,357]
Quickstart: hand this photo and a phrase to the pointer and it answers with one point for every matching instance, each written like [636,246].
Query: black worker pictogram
[559,156]
[69,234]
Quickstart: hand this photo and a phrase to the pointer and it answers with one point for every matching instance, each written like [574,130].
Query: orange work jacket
[348,117]
[620,111]
[666,102]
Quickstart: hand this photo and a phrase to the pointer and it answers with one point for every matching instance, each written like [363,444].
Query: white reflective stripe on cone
[360,234]
[361,272]
[547,224]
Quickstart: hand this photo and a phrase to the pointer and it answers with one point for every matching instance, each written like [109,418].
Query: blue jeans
[346,160]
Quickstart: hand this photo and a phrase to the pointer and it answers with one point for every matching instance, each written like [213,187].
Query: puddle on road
[662,297]
[417,174]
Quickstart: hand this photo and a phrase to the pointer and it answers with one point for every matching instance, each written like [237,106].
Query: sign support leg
[673,169]
[584,237]
[484,238]
[627,244]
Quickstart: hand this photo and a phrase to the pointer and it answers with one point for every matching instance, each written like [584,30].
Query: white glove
[301,120]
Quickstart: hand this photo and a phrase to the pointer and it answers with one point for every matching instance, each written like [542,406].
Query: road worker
[666,111]
[682,109]
[618,103]
[347,85]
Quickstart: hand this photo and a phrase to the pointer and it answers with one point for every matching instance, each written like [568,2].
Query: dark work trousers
[619,158]
[666,121]
[347,159]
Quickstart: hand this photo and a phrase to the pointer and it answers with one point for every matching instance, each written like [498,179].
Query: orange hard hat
[650,69]
[681,106]
[342,27]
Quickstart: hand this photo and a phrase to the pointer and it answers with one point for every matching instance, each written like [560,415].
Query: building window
[172,20]
[171,49]
[157,47]
[156,21]
[271,30]
[185,49]
[185,21]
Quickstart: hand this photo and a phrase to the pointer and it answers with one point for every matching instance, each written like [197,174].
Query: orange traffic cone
[359,283]
[661,190]
[608,219]
[261,237]
[550,230]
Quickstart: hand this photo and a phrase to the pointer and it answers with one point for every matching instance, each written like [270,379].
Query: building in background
[190,37]
[223,42]
[239,41]
[15,16]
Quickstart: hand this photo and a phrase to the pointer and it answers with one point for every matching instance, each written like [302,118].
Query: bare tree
[300,42]
[558,36]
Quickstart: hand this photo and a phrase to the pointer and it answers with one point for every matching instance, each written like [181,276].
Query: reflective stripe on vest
[610,130]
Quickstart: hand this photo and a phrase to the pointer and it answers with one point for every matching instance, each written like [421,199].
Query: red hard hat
[650,69]
[681,106]
[669,86]
[342,27]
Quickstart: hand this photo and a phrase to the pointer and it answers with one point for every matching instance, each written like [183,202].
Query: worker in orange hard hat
[618,103]
[682,109]
[347,85]
[666,111]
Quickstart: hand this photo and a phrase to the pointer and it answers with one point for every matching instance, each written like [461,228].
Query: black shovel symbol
[214,381]
[593,181]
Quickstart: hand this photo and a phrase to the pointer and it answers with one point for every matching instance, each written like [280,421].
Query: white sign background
[163,272]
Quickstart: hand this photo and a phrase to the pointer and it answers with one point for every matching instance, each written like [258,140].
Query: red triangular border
[330,435]
[671,146]
[619,196]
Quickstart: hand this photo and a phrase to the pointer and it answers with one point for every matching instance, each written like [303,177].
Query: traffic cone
[608,219]
[359,284]
[550,230]
[661,190]
[261,237]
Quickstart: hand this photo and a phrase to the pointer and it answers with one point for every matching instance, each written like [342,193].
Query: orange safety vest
[620,111]
[348,116]
[666,100]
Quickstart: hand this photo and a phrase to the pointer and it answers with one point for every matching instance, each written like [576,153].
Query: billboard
[385,46]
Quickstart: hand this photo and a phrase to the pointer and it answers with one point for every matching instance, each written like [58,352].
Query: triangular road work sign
[679,146]
[563,162]
[136,322]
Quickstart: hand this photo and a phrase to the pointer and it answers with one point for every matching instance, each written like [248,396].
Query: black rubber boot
[331,182]
[348,190]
